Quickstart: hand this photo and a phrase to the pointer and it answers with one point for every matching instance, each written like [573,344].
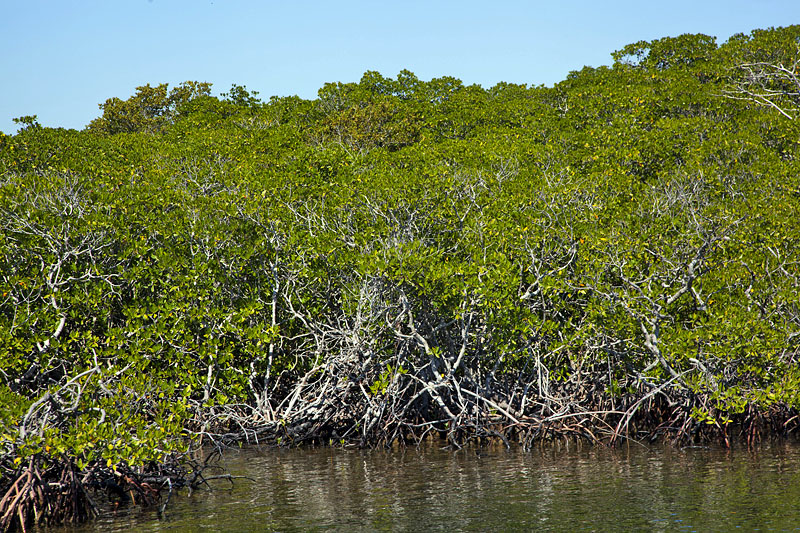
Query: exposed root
[338,404]
[57,494]
[52,496]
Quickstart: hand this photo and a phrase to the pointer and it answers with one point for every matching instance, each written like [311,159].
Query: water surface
[552,488]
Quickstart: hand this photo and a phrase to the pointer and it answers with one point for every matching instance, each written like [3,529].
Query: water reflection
[551,489]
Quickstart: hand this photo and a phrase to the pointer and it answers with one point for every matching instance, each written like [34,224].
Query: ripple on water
[550,488]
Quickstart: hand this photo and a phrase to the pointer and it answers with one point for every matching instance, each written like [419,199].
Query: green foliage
[240,96]
[631,223]
[685,51]
[150,110]
[27,121]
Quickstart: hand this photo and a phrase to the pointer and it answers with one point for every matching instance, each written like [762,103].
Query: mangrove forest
[611,259]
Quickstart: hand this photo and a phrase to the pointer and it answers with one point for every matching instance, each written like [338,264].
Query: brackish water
[566,488]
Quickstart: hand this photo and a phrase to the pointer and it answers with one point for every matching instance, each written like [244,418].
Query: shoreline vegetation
[614,258]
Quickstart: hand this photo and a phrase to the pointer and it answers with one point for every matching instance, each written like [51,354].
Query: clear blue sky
[60,58]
